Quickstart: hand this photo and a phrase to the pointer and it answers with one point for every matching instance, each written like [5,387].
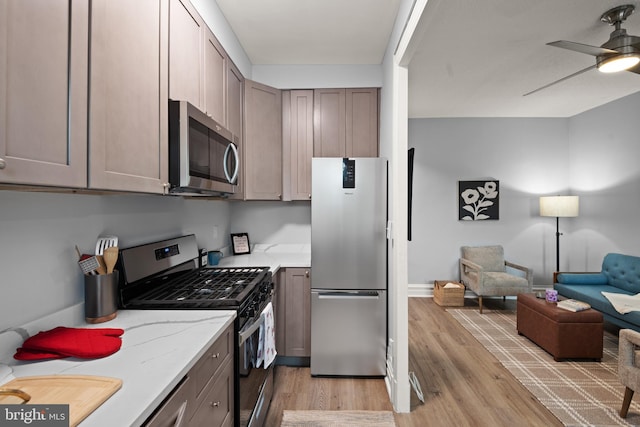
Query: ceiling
[473,58]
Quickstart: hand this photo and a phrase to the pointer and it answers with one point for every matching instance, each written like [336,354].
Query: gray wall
[592,155]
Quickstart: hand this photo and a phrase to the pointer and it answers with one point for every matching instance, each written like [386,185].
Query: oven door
[255,382]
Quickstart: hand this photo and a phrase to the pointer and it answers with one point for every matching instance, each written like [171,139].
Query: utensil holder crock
[100,301]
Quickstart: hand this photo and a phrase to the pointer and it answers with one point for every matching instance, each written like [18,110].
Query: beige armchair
[628,369]
[484,271]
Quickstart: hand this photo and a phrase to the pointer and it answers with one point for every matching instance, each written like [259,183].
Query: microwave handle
[233,148]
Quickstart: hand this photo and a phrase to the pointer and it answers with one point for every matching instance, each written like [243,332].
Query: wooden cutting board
[83,393]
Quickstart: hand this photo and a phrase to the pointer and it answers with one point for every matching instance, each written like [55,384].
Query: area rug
[337,419]
[577,392]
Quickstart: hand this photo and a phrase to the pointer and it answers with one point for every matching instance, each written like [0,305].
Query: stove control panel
[167,251]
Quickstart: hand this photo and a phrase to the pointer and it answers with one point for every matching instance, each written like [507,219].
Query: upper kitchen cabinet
[43,92]
[345,122]
[215,84]
[297,143]
[198,64]
[128,107]
[235,115]
[262,142]
[186,37]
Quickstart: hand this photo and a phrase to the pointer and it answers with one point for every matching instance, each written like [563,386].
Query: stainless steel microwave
[203,155]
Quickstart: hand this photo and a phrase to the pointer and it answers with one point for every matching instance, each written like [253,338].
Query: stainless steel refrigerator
[349,266]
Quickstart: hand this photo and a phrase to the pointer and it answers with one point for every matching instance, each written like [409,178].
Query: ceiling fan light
[619,63]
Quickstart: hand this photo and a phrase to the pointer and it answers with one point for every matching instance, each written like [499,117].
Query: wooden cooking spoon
[110,257]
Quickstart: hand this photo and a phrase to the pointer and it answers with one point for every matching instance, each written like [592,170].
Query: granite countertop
[274,256]
[158,349]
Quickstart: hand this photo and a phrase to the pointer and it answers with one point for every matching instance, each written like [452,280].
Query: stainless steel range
[164,275]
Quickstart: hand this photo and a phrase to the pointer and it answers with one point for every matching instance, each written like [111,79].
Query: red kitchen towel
[76,342]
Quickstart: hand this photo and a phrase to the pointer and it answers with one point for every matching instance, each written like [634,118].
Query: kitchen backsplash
[39,231]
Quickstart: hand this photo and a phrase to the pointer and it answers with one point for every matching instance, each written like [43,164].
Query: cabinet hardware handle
[306,273]
[215,355]
[215,404]
[309,195]
[3,164]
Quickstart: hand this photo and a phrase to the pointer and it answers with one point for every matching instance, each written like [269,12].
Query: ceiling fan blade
[582,48]
[635,69]
[561,80]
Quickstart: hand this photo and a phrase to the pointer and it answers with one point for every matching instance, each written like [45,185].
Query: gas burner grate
[205,287]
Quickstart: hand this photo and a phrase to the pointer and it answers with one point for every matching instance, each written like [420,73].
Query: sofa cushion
[622,271]
[592,295]
[490,258]
[583,278]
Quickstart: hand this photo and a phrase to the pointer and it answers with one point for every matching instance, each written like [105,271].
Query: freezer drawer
[348,332]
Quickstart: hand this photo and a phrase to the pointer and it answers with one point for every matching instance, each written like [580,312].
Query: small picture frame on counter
[240,243]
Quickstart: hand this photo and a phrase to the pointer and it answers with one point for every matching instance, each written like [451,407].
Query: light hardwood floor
[463,384]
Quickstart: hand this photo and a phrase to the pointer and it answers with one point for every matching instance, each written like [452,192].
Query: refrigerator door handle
[348,294]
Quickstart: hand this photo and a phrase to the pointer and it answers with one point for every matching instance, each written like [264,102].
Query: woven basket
[448,297]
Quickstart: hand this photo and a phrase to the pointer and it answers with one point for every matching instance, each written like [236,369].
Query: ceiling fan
[621,52]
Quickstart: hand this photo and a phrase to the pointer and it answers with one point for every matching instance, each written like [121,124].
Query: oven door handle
[247,332]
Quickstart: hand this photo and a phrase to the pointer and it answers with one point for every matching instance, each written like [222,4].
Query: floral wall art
[478,200]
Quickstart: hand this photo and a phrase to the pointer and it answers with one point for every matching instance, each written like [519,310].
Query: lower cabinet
[205,395]
[293,316]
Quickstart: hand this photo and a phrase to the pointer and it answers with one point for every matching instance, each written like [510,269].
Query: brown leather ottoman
[562,333]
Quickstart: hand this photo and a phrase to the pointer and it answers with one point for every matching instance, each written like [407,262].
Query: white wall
[217,23]
[38,233]
[593,155]
[604,153]
[318,76]
[272,222]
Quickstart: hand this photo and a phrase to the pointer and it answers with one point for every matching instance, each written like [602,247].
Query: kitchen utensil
[105,242]
[88,264]
[102,268]
[110,257]
[83,393]
[78,252]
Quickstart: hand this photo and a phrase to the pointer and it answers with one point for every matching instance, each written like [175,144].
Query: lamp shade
[559,206]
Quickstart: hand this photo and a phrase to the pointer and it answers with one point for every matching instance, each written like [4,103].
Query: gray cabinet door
[297,144]
[262,142]
[297,312]
[43,92]
[128,110]
[215,79]
[361,123]
[186,35]
[329,123]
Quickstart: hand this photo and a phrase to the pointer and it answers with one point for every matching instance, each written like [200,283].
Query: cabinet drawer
[211,361]
[173,412]
[215,406]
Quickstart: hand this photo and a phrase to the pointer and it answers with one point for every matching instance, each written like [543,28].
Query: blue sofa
[620,274]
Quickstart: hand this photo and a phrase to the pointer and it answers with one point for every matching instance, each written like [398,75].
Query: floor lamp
[559,206]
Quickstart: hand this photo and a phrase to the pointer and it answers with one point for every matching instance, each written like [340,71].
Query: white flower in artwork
[477,200]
